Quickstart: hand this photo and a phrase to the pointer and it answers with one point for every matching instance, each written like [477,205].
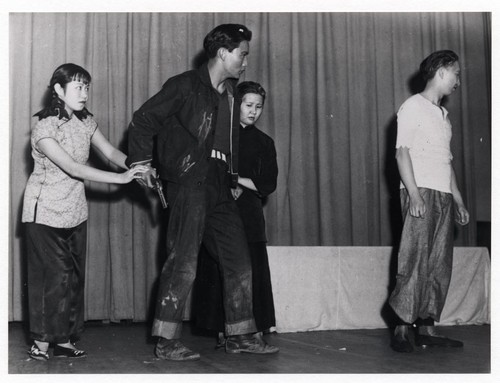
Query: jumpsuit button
[199,183]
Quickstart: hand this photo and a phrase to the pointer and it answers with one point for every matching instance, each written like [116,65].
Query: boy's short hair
[227,36]
[251,87]
[436,60]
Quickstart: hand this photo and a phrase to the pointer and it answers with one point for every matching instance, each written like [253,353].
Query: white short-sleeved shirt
[52,197]
[425,129]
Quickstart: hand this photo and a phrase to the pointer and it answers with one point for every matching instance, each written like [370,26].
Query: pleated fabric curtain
[334,83]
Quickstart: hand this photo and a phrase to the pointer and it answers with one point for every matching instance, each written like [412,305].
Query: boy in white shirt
[429,199]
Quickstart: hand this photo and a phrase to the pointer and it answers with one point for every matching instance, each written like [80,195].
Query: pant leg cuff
[239,328]
[167,330]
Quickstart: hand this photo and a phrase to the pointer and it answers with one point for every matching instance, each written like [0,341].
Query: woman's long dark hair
[52,104]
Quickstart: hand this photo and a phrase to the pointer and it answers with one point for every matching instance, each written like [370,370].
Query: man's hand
[462,215]
[147,177]
[236,192]
[417,205]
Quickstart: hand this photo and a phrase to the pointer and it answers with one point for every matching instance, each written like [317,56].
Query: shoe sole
[239,351]
[438,346]
[179,360]
[188,359]
[402,350]
[40,358]
[402,347]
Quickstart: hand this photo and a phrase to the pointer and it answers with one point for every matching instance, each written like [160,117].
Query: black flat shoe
[436,341]
[36,353]
[66,352]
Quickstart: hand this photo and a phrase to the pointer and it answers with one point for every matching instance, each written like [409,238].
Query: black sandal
[36,353]
[66,352]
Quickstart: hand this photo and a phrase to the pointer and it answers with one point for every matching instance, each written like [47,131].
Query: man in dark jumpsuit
[195,120]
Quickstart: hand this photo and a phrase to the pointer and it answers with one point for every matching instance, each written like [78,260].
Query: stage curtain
[334,82]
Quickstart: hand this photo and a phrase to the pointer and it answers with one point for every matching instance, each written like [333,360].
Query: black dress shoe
[66,352]
[436,341]
[401,344]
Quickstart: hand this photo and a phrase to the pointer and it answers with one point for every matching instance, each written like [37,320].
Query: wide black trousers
[56,280]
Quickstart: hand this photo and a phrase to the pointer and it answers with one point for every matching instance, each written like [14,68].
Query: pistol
[157,185]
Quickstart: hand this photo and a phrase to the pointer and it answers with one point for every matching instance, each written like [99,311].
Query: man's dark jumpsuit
[182,118]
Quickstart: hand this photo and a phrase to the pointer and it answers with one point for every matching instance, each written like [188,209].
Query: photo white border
[232,6]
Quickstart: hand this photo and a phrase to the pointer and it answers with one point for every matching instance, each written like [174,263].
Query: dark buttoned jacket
[258,162]
[180,120]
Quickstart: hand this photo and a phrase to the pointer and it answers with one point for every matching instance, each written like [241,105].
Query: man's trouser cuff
[240,328]
[167,330]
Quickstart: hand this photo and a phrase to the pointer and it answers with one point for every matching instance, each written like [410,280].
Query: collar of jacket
[205,79]
[248,127]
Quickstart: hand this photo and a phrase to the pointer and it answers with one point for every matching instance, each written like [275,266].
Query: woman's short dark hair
[436,60]
[52,104]
[250,87]
[227,36]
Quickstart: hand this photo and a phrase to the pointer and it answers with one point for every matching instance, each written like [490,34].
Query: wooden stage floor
[127,348]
